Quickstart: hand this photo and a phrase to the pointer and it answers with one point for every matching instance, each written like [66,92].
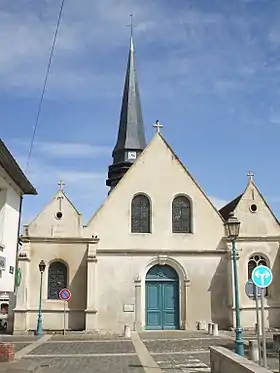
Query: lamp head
[232,226]
[42,266]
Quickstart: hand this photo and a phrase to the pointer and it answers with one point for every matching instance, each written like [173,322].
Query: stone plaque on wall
[128,308]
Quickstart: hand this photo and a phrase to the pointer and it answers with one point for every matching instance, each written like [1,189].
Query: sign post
[254,293]
[256,290]
[65,295]
[262,278]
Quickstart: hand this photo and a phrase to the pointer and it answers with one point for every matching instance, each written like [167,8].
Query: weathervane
[131,25]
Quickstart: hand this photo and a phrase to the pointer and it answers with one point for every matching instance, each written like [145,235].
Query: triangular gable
[138,160]
[260,222]
[47,223]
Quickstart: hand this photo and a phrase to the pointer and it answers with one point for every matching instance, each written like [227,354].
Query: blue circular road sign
[262,276]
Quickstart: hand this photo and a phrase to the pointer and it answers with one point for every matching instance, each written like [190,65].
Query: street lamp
[39,329]
[232,226]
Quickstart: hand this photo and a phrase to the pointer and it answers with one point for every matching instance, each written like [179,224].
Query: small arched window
[57,279]
[140,214]
[181,215]
[255,261]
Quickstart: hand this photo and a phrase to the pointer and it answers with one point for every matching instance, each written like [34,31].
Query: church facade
[154,256]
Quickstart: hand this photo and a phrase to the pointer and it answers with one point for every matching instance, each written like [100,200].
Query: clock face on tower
[131,155]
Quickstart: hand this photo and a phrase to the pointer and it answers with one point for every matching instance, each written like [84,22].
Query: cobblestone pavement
[86,336]
[82,347]
[182,351]
[18,338]
[176,352]
[84,364]
[183,363]
[77,353]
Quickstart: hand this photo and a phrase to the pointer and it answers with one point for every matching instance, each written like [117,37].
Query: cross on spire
[131,25]
[250,175]
[61,184]
[158,126]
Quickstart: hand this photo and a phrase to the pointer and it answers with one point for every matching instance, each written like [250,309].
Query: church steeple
[131,135]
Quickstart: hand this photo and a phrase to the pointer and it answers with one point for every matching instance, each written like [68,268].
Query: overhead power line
[44,86]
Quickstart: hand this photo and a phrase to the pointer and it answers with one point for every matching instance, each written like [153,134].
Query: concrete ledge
[224,361]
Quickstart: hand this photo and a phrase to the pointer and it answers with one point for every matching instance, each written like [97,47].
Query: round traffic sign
[251,290]
[262,276]
[65,294]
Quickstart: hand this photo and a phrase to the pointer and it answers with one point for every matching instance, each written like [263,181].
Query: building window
[255,261]
[57,279]
[181,215]
[140,214]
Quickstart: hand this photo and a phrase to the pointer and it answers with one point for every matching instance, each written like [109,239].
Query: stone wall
[225,361]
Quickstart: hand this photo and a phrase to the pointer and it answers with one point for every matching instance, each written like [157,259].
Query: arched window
[140,214]
[57,279]
[255,261]
[181,215]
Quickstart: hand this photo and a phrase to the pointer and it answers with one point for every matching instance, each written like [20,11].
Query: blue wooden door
[162,299]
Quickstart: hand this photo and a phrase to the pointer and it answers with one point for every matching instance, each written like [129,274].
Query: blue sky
[209,70]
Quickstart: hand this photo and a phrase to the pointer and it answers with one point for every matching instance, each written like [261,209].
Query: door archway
[162,298]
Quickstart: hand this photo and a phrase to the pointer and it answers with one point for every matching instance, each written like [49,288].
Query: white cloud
[90,30]
[52,149]
[62,150]
[218,202]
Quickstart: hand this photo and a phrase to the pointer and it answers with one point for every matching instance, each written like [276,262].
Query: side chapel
[154,255]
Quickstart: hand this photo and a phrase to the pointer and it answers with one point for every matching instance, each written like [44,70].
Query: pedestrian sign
[262,276]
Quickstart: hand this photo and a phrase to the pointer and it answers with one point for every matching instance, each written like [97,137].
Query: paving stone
[100,364]
[19,338]
[50,348]
[86,336]
[174,334]
[20,346]
[186,363]
[186,345]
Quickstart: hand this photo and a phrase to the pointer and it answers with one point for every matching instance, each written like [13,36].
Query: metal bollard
[199,325]
[204,325]
[127,331]
[276,341]
[254,351]
[210,328]
[215,330]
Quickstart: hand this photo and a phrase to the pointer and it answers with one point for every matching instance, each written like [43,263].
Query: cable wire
[44,86]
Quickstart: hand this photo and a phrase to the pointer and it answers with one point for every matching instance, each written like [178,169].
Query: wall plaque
[128,308]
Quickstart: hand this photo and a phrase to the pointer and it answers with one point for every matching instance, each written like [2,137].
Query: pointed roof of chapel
[232,205]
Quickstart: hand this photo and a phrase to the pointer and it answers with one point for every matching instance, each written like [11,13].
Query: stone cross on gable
[250,175]
[158,126]
[61,184]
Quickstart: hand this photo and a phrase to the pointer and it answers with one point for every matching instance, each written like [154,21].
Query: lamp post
[39,329]
[232,226]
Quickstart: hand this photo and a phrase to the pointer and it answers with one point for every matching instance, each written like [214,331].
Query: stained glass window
[255,261]
[140,214]
[181,215]
[57,279]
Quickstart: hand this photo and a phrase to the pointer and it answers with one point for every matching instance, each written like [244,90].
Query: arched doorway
[162,298]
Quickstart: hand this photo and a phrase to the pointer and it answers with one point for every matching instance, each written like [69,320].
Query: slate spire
[131,139]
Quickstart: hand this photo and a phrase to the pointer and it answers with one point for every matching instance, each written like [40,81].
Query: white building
[13,185]
[154,255]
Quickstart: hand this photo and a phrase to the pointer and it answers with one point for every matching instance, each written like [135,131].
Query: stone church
[154,255]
